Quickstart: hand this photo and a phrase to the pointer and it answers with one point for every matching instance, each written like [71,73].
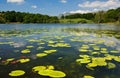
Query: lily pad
[88,76]
[50,51]
[25,51]
[83,61]
[111,65]
[39,68]
[41,54]
[29,46]
[17,73]
[57,74]
[91,65]
[99,61]
[24,60]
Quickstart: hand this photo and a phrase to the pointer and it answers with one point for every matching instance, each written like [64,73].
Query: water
[68,40]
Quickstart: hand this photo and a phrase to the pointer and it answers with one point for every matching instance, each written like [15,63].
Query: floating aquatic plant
[83,50]
[17,73]
[49,71]
[117,58]
[25,51]
[91,65]
[29,46]
[24,60]
[83,60]
[10,59]
[41,54]
[99,61]
[111,65]
[50,51]
[88,76]
[39,68]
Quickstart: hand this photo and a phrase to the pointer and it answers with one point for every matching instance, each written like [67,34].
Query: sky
[56,7]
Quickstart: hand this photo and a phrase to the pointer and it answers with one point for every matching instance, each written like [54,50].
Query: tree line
[22,17]
[112,15]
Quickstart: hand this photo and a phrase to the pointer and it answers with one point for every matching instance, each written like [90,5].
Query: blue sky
[56,7]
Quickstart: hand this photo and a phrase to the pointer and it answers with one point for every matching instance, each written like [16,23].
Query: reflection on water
[75,50]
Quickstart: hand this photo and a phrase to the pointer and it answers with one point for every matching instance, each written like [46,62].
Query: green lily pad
[82,61]
[99,61]
[91,65]
[25,51]
[10,59]
[24,60]
[57,74]
[29,46]
[41,54]
[88,76]
[111,65]
[117,58]
[17,73]
[39,68]
[50,51]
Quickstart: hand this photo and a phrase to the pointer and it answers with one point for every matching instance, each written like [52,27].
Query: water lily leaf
[29,46]
[41,54]
[39,68]
[24,60]
[25,51]
[50,51]
[17,73]
[88,76]
[111,65]
[57,74]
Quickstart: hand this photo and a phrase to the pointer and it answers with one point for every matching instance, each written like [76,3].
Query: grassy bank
[79,20]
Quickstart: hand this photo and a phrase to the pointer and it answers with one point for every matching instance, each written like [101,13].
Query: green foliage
[12,16]
[112,15]
[79,20]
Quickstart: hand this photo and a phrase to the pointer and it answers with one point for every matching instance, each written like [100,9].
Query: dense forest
[21,17]
[110,16]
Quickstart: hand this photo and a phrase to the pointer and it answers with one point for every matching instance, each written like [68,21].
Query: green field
[79,20]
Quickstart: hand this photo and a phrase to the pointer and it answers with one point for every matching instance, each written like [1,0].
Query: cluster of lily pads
[95,50]
[41,70]
[95,56]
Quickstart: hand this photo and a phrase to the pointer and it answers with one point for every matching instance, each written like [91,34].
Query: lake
[59,51]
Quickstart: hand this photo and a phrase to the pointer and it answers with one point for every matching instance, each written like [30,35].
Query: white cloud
[84,11]
[101,4]
[80,11]
[15,1]
[63,1]
[34,6]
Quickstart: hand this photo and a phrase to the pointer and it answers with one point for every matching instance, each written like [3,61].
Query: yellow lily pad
[111,65]
[24,60]
[50,67]
[83,60]
[10,59]
[39,68]
[41,54]
[57,74]
[26,51]
[99,61]
[91,65]
[44,72]
[88,76]
[29,46]
[17,73]
[50,51]
[117,58]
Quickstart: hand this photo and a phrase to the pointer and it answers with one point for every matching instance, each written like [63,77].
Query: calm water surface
[71,42]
